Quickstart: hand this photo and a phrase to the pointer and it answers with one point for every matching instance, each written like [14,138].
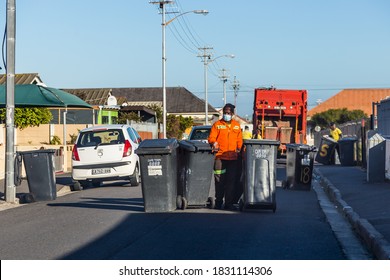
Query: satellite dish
[111,101]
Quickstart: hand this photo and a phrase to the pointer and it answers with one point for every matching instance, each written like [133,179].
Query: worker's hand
[215,146]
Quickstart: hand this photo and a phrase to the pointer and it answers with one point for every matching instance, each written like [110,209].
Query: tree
[337,116]
[177,125]
[26,116]
[131,116]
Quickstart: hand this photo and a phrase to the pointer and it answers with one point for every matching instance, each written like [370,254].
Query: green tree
[177,125]
[337,116]
[131,116]
[159,113]
[26,117]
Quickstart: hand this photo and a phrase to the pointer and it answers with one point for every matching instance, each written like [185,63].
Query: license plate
[101,171]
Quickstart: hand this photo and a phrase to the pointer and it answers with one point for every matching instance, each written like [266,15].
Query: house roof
[179,99]
[23,79]
[352,99]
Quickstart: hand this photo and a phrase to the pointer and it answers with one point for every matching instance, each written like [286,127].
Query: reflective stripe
[219,172]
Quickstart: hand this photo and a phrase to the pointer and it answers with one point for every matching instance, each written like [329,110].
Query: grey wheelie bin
[348,151]
[196,160]
[40,172]
[326,151]
[299,166]
[259,167]
[158,159]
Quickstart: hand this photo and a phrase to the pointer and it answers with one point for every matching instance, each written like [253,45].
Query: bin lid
[194,146]
[46,151]
[157,146]
[261,142]
[301,147]
[348,139]
[327,138]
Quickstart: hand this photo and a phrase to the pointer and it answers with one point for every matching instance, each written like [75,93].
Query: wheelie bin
[196,160]
[299,166]
[158,159]
[326,152]
[40,172]
[259,167]
[348,151]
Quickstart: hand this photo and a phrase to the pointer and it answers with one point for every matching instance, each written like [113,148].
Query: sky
[322,46]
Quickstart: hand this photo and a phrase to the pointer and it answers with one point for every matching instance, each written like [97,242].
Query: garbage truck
[280,114]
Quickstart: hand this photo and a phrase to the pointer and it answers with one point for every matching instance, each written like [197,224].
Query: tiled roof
[352,99]
[179,99]
[22,79]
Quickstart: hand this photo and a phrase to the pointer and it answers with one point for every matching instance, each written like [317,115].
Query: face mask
[227,118]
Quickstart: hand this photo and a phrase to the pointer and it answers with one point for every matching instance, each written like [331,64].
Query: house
[180,101]
[352,99]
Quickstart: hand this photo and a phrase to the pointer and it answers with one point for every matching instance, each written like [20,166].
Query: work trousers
[225,173]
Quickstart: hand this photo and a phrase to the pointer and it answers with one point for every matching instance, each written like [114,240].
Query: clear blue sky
[323,46]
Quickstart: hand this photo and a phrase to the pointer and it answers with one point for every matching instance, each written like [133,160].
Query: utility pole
[206,57]
[236,87]
[164,90]
[224,78]
[10,192]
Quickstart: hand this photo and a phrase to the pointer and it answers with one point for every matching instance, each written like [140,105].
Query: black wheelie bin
[299,166]
[326,152]
[40,172]
[158,159]
[348,151]
[259,167]
[196,160]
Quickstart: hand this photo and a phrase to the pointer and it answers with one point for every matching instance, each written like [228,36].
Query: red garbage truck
[280,114]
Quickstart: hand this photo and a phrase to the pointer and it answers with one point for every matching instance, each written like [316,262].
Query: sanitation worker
[226,139]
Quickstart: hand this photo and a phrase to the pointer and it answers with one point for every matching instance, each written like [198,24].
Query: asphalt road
[110,223]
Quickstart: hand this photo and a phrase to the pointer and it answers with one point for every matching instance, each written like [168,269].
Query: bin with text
[259,165]
[326,151]
[158,158]
[299,166]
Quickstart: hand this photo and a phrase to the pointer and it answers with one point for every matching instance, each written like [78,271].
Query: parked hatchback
[106,153]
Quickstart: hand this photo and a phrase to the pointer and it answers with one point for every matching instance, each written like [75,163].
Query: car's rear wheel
[135,179]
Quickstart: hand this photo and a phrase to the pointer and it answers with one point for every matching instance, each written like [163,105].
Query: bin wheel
[179,202]
[274,207]
[211,202]
[77,186]
[28,198]
[184,203]
[241,205]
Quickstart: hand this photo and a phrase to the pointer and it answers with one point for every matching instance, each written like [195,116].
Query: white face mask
[227,118]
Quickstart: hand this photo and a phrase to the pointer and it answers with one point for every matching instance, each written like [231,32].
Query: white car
[106,153]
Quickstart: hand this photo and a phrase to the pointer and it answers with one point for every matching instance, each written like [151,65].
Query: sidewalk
[365,205]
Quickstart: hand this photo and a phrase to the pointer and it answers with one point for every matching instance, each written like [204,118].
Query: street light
[164,24]
[207,60]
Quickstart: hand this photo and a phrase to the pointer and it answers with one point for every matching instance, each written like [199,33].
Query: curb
[374,240]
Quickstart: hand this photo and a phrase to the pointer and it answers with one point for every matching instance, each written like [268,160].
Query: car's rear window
[200,134]
[101,137]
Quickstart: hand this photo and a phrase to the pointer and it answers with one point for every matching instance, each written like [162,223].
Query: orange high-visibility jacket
[229,138]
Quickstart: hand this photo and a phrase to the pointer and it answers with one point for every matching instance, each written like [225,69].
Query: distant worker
[246,134]
[226,138]
[257,134]
[336,134]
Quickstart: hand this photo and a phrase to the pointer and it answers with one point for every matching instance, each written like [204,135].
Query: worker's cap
[331,124]
[231,106]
